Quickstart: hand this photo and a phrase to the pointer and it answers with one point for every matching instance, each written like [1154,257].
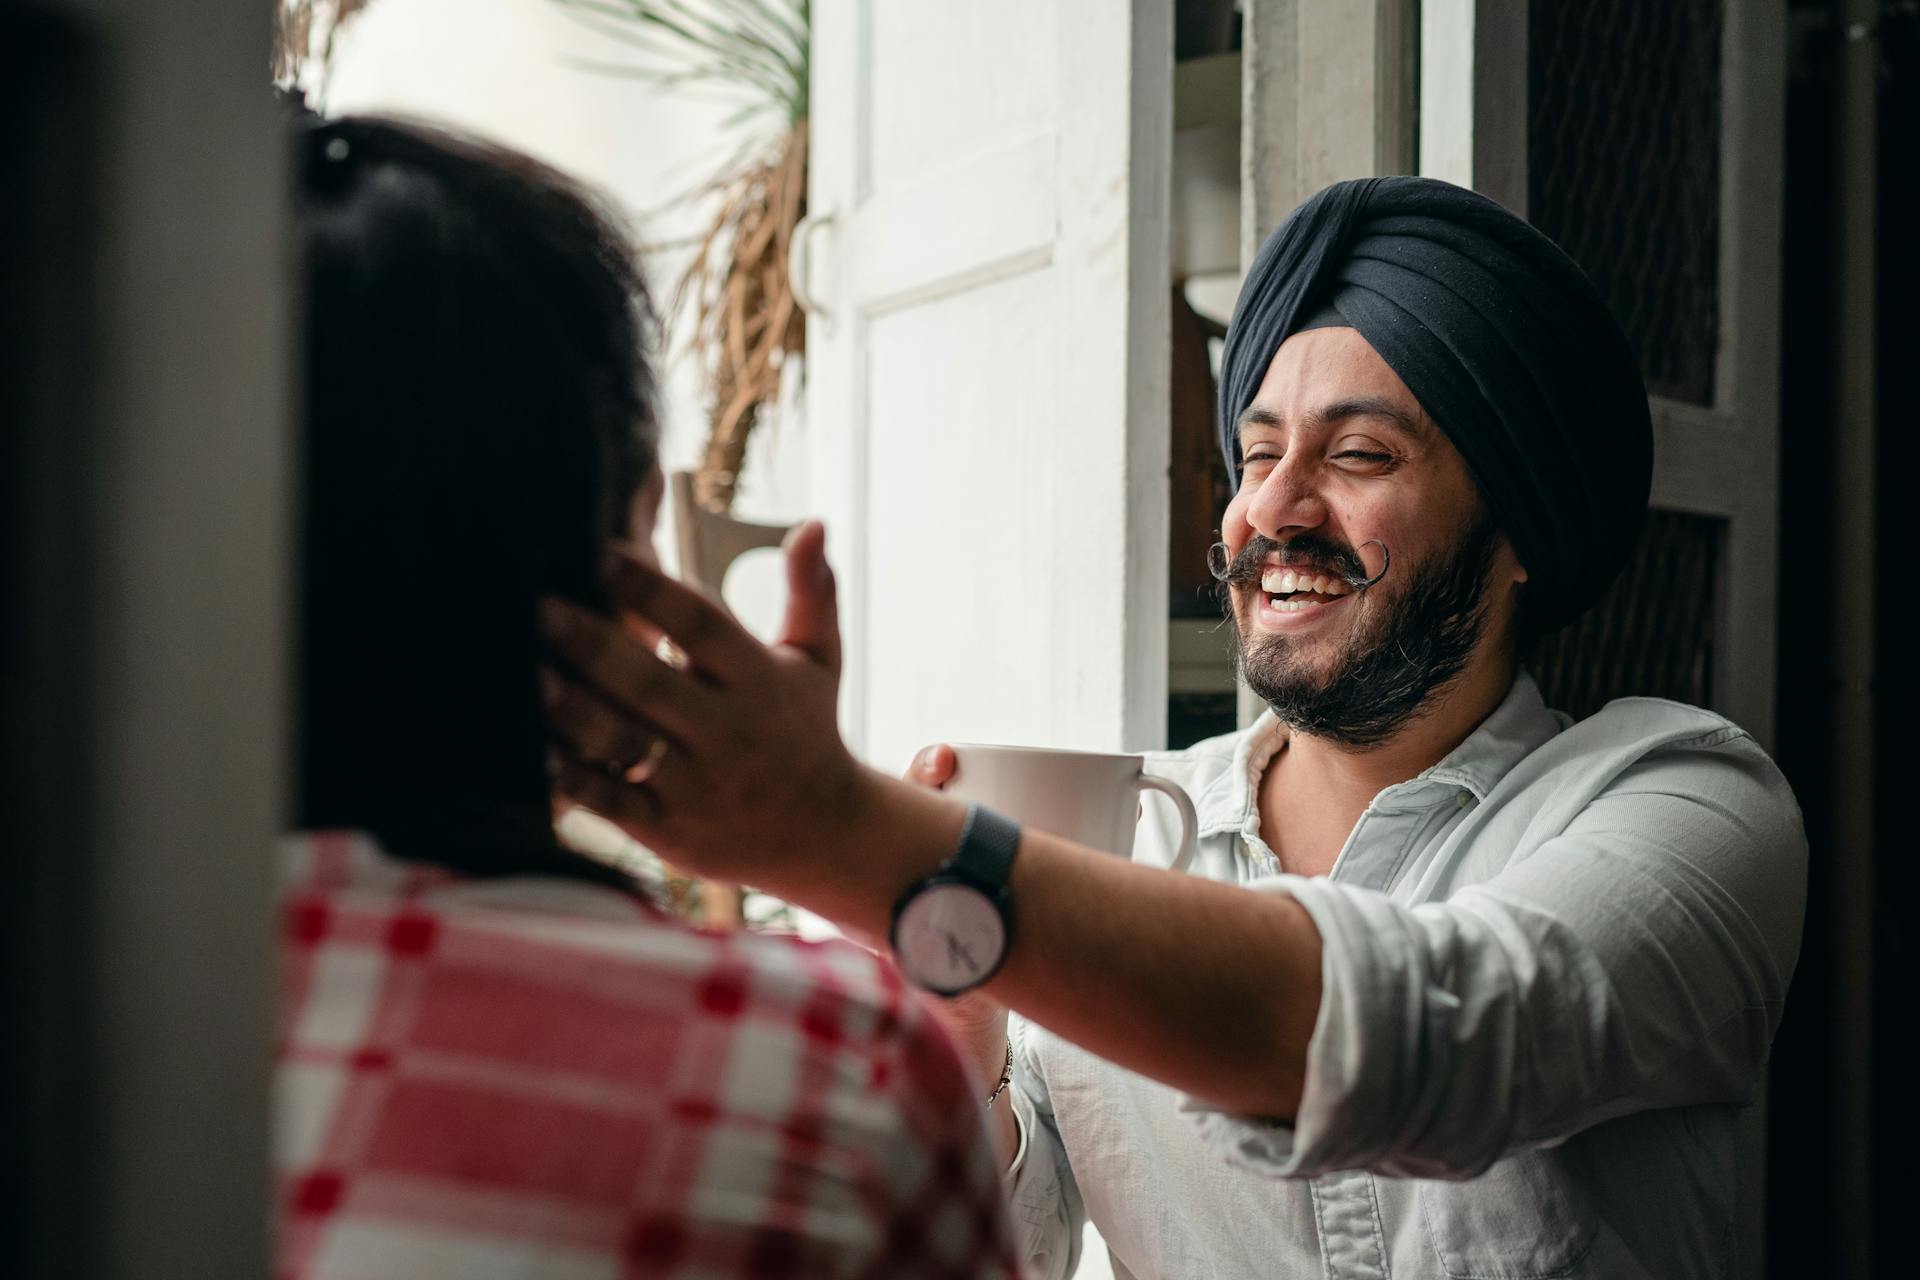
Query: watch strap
[988,842]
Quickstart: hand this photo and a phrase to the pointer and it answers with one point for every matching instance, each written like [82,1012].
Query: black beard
[1390,671]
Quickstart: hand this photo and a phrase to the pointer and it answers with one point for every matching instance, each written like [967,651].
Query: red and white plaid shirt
[544,1078]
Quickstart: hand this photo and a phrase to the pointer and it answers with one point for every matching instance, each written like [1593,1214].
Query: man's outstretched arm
[1201,985]
[1211,988]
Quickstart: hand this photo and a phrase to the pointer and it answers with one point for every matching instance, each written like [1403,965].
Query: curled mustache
[1245,568]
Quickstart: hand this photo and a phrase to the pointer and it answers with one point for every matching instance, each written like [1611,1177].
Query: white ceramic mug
[1087,797]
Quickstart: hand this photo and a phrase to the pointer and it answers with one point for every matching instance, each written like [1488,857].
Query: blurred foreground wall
[143,468]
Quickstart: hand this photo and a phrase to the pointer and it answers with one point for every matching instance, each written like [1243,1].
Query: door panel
[952,79]
[986,396]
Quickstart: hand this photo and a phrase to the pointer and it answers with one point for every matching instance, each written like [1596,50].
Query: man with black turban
[1454,986]
[1501,339]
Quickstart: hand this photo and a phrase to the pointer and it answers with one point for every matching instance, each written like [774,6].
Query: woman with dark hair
[495,1057]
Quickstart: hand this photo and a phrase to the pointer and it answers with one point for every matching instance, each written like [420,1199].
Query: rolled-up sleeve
[1636,959]
[1047,1211]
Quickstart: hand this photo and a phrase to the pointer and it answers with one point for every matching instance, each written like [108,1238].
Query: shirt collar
[1226,803]
[1518,726]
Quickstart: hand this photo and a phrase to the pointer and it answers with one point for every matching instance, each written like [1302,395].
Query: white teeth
[1291,606]
[1279,582]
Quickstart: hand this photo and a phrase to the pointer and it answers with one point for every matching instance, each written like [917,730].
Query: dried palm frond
[746,323]
[303,39]
[754,50]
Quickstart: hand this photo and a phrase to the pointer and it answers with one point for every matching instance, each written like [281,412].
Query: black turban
[1503,340]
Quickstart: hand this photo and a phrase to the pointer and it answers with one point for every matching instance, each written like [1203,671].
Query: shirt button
[1466,798]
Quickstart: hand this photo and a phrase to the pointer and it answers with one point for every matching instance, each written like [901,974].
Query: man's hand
[932,766]
[729,763]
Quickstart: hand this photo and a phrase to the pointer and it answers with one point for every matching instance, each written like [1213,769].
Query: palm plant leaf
[741,44]
[304,32]
[735,287]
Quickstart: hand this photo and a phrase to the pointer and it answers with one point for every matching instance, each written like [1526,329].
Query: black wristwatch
[951,931]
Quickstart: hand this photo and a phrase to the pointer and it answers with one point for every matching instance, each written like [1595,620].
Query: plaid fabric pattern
[537,1078]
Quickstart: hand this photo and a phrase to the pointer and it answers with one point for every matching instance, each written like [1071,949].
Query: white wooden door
[987,403]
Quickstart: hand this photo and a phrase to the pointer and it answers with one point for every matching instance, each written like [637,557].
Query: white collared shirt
[1552,967]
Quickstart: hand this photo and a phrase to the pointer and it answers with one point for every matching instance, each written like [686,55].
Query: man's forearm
[1200,985]
[1203,986]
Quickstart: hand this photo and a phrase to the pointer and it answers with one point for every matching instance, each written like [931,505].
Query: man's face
[1344,475]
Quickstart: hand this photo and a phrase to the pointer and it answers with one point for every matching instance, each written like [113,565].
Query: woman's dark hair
[478,420]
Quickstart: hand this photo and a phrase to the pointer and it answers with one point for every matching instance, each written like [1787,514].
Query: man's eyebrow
[1254,416]
[1375,407]
[1411,425]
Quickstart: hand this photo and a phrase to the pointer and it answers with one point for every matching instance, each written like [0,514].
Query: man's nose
[1288,500]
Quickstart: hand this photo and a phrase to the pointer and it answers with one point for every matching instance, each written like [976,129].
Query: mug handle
[1189,820]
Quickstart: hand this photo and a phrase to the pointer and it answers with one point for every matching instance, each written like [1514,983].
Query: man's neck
[1313,793]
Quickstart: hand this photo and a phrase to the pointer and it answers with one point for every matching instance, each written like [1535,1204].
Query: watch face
[950,937]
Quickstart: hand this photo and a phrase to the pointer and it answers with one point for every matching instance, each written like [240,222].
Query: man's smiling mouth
[1291,590]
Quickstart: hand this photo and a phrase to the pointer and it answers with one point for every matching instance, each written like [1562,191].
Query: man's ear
[1509,569]
[1510,560]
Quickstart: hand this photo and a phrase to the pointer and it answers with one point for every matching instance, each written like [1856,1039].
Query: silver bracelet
[1006,1076]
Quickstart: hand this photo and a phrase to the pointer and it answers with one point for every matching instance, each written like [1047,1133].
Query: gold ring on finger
[671,654]
[643,768]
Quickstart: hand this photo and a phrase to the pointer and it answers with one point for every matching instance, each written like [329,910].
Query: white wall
[510,70]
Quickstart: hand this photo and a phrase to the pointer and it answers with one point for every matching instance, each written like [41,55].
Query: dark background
[1807,1214]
